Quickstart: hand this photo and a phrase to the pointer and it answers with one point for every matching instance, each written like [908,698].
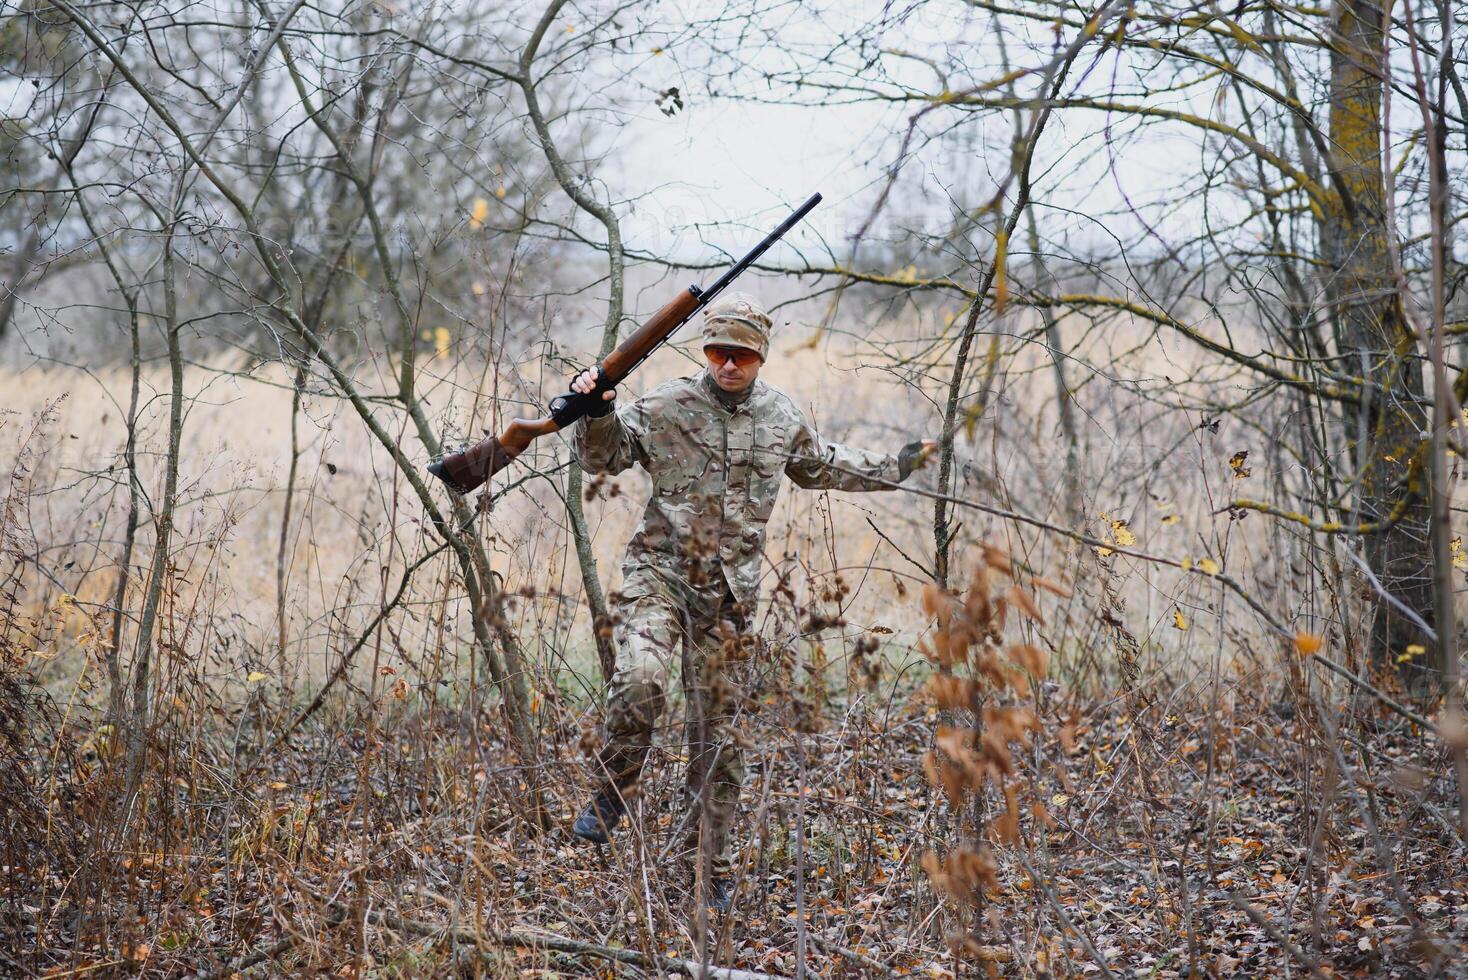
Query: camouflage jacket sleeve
[614,442]
[814,464]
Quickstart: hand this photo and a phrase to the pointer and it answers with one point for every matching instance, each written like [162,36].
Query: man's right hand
[585,383]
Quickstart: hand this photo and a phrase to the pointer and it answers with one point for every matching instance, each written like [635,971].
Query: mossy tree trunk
[1371,332]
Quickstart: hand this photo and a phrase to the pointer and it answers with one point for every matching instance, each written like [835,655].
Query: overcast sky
[720,160]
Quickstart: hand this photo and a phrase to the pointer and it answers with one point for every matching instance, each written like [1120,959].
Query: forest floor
[1165,833]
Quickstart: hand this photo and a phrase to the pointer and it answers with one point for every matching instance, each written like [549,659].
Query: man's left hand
[915,455]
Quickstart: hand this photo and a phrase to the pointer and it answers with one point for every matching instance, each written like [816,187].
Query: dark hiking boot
[721,894]
[600,817]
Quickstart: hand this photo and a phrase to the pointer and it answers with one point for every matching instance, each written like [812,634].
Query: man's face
[733,368]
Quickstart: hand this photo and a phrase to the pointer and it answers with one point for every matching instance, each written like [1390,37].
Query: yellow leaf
[1115,532]
[1123,534]
[1460,560]
[1187,564]
[1236,463]
[1308,643]
[657,50]
[1208,566]
[971,419]
[499,192]
[1170,519]
[1179,621]
[480,212]
[255,677]
[441,341]
[1001,281]
[1413,651]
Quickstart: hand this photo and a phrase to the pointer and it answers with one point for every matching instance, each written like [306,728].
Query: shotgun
[470,468]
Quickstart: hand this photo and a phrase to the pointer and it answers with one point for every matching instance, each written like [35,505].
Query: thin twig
[911,560]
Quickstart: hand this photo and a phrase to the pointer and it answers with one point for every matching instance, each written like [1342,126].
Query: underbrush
[1117,773]
[1193,825]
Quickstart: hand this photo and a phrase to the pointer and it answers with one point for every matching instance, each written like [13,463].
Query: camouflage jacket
[716,473]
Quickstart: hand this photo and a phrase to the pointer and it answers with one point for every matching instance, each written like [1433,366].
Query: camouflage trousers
[654,609]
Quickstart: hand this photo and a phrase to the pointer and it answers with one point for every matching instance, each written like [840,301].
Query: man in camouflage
[716,445]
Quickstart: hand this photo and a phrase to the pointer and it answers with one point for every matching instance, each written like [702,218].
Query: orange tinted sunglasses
[742,357]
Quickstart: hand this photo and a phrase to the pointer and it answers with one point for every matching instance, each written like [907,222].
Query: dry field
[350,523]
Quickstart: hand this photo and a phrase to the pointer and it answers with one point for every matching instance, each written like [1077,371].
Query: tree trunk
[137,735]
[596,600]
[1373,334]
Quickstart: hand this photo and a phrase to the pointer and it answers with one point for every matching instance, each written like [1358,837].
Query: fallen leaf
[1308,643]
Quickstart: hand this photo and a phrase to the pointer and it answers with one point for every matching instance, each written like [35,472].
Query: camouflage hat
[737,320]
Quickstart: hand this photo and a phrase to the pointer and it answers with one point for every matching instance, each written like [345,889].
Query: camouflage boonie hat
[737,320]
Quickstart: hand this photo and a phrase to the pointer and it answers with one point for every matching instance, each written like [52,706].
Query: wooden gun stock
[468,469]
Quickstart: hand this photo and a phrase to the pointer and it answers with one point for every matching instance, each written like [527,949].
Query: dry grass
[1146,824]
